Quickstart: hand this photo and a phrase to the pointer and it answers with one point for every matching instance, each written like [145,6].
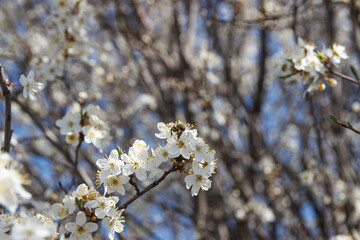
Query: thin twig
[52,138]
[341,124]
[348,127]
[151,186]
[76,160]
[7,96]
[350,79]
[131,181]
[62,187]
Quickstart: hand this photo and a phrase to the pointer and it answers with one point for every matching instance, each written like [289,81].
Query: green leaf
[262,10]
[119,150]
[77,202]
[354,72]
[349,124]
[334,119]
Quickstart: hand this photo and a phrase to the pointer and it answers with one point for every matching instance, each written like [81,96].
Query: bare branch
[174,168]
[7,96]
[347,78]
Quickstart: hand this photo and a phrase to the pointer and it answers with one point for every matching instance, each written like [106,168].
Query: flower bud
[82,190]
[331,81]
[321,86]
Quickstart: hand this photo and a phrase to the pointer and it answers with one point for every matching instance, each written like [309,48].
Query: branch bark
[340,75]
[7,96]
[151,186]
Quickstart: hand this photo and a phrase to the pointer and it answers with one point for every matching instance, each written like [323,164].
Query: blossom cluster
[209,64]
[183,141]
[183,146]
[12,179]
[303,64]
[87,207]
[67,29]
[37,227]
[87,125]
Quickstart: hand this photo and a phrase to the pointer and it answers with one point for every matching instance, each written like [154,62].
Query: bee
[178,128]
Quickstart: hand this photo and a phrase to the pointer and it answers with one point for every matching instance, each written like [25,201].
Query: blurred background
[285,171]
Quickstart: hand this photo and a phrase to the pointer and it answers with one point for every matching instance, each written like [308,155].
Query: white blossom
[81,229]
[307,177]
[115,184]
[69,123]
[198,179]
[7,221]
[33,228]
[200,148]
[181,146]
[11,189]
[111,165]
[336,53]
[103,205]
[114,223]
[61,211]
[31,87]
[165,131]
[136,160]
[82,190]
[93,135]
[159,155]
[72,138]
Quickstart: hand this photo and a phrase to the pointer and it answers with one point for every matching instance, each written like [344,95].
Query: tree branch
[7,96]
[151,186]
[348,125]
[131,181]
[52,138]
[76,160]
[347,78]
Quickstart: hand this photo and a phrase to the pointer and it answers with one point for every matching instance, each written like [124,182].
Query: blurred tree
[285,171]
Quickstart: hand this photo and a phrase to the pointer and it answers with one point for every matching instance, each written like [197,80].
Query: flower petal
[23,80]
[141,174]
[114,155]
[30,75]
[91,227]
[80,218]
[71,227]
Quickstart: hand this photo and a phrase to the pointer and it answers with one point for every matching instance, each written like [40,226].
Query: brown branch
[131,181]
[7,96]
[53,139]
[76,160]
[151,186]
[348,125]
[258,98]
[347,78]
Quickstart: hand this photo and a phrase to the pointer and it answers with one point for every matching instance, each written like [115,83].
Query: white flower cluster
[345,237]
[89,207]
[68,32]
[305,65]
[183,146]
[208,63]
[11,180]
[182,141]
[69,16]
[31,87]
[189,153]
[85,125]
[36,227]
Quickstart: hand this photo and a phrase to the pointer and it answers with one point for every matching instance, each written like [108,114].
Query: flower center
[80,229]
